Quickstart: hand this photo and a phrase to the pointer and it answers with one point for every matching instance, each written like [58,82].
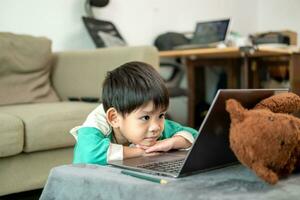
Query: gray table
[100,182]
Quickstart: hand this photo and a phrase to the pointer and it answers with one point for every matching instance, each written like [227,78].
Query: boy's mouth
[149,141]
[151,138]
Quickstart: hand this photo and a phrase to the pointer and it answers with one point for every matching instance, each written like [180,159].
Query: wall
[59,20]
[139,21]
[279,15]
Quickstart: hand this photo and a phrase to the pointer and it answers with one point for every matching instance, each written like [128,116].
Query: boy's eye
[162,115]
[146,118]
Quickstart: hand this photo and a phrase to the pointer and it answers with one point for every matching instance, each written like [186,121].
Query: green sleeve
[91,146]
[171,128]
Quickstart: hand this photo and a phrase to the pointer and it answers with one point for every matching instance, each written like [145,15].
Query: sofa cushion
[25,64]
[11,135]
[47,125]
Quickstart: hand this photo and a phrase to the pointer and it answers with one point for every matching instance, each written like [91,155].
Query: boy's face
[142,126]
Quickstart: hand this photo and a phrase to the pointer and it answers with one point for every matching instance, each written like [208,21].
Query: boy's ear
[112,117]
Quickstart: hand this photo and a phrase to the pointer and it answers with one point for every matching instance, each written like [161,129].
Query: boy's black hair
[131,85]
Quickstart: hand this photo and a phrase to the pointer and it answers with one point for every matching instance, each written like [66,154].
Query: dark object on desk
[247,49]
[270,38]
[167,41]
[266,138]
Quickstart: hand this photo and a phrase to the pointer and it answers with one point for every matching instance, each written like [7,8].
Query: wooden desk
[236,62]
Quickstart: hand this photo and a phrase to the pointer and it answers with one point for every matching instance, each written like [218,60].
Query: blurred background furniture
[105,34]
[167,41]
[241,67]
[34,135]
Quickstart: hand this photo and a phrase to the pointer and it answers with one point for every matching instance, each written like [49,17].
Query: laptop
[208,34]
[211,147]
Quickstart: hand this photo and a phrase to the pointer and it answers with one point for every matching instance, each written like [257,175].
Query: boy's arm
[93,147]
[131,152]
[174,136]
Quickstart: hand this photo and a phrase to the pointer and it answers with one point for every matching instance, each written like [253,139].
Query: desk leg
[196,89]
[245,72]
[294,72]
[233,72]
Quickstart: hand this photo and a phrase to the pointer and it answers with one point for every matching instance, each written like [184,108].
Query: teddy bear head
[267,139]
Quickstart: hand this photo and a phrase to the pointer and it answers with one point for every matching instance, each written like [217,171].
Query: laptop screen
[210,32]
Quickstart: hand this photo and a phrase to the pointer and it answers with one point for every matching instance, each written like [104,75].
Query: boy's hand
[131,152]
[162,145]
[151,154]
[176,142]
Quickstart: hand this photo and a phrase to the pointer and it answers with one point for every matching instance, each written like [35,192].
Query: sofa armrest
[81,73]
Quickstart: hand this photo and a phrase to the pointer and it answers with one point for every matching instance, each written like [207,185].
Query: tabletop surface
[228,52]
[106,182]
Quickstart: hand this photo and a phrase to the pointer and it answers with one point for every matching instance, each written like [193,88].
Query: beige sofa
[35,137]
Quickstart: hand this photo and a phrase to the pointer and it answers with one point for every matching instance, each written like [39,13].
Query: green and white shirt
[95,143]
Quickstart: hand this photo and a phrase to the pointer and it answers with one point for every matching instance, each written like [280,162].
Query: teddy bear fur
[267,138]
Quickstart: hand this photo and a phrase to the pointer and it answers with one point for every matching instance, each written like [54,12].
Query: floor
[30,195]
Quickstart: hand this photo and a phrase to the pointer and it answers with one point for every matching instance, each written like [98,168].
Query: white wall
[279,15]
[139,21]
[60,20]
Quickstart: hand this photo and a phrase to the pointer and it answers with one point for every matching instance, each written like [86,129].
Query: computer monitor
[210,32]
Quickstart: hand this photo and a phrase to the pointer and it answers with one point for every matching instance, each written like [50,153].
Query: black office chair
[106,34]
[167,41]
[103,33]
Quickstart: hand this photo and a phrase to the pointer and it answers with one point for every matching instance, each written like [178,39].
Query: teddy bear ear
[235,110]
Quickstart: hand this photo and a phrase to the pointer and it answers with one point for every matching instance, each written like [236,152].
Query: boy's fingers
[152,154]
[141,146]
[149,150]
[153,148]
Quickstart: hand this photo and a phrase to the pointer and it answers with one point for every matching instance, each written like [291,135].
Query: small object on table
[145,177]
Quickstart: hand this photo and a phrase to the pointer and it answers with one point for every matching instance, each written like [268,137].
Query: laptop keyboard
[166,166]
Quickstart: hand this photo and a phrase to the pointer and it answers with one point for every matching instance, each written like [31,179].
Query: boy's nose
[154,127]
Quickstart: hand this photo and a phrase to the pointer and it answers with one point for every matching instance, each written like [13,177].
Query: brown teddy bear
[267,137]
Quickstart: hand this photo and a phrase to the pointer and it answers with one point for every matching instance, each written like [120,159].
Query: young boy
[130,122]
